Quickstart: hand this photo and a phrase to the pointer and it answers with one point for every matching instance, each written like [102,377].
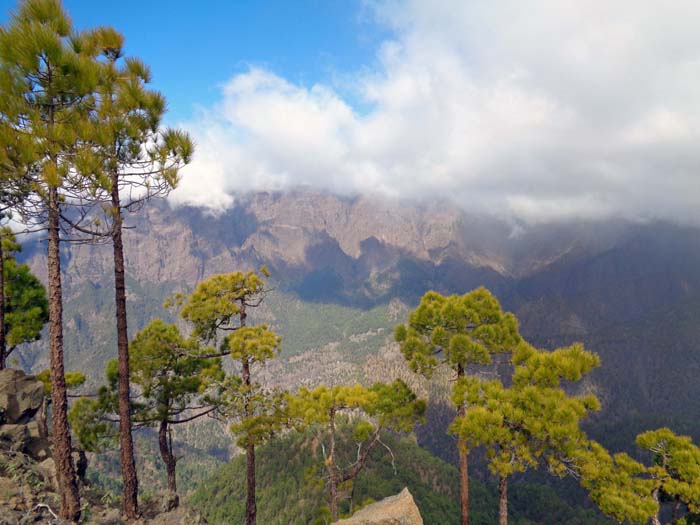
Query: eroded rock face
[395,510]
[20,397]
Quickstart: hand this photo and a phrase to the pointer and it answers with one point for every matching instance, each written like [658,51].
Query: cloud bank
[541,109]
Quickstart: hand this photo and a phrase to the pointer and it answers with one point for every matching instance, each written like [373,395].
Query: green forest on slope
[290,486]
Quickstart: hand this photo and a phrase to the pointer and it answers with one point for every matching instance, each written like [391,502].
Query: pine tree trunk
[166,452]
[250,505]
[65,471]
[334,498]
[503,501]
[44,417]
[655,518]
[333,474]
[463,466]
[3,343]
[251,510]
[464,480]
[126,442]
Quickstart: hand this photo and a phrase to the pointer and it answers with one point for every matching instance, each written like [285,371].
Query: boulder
[14,437]
[395,510]
[47,471]
[21,396]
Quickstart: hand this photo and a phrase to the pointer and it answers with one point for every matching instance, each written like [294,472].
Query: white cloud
[543,109]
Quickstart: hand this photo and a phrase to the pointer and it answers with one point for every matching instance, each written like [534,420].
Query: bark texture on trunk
[251,510]
[334,498]
[44,417]
[61,438]
[333,474]
[463,451]
[126,442]
[166,452]
[655,518]
[503,501]
[3,343]
[463,480]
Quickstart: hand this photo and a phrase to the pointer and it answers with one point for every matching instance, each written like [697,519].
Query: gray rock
[20,396]
[47,470]
[14,437]
[395,510]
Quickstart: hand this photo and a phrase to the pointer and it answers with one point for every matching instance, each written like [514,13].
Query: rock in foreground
[395,510]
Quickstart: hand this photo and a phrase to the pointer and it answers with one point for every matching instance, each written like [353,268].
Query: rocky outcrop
[396,510]
[21,397]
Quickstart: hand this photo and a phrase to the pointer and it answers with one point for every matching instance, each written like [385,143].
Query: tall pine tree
[218,310]
[457,331]
[131,159]
[48,75]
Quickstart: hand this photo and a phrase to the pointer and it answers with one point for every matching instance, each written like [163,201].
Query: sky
[543,110]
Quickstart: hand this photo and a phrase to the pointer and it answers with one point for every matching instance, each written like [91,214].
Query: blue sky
[194,47]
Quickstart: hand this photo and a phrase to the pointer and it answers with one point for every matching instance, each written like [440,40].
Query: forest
[83,146]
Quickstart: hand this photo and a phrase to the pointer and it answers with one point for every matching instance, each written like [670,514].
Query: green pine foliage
[26,306]
[676,469]
[376,409]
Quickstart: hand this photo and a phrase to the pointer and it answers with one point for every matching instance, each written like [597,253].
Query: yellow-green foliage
[49,75]
[466,329]
[170,375]
[618,484]
[534,421]
[217,302]
[73,380]
[393,405]
[218,306]
[169,372]
[676,467]
[549,369]
[257,344]
[367,412]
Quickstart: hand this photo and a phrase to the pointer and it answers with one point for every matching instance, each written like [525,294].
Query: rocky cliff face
[28,474]
[334,259]
[395,510]
[21,397]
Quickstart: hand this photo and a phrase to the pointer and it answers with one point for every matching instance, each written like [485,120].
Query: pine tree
[171,380]
[383,407]
[48,75]
[676,470]
[131,159]
[218,310]
[459,332]
[619,485]
[23,304]
[532,423]
[72,379]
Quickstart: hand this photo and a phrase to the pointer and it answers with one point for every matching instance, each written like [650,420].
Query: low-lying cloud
[540,109]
